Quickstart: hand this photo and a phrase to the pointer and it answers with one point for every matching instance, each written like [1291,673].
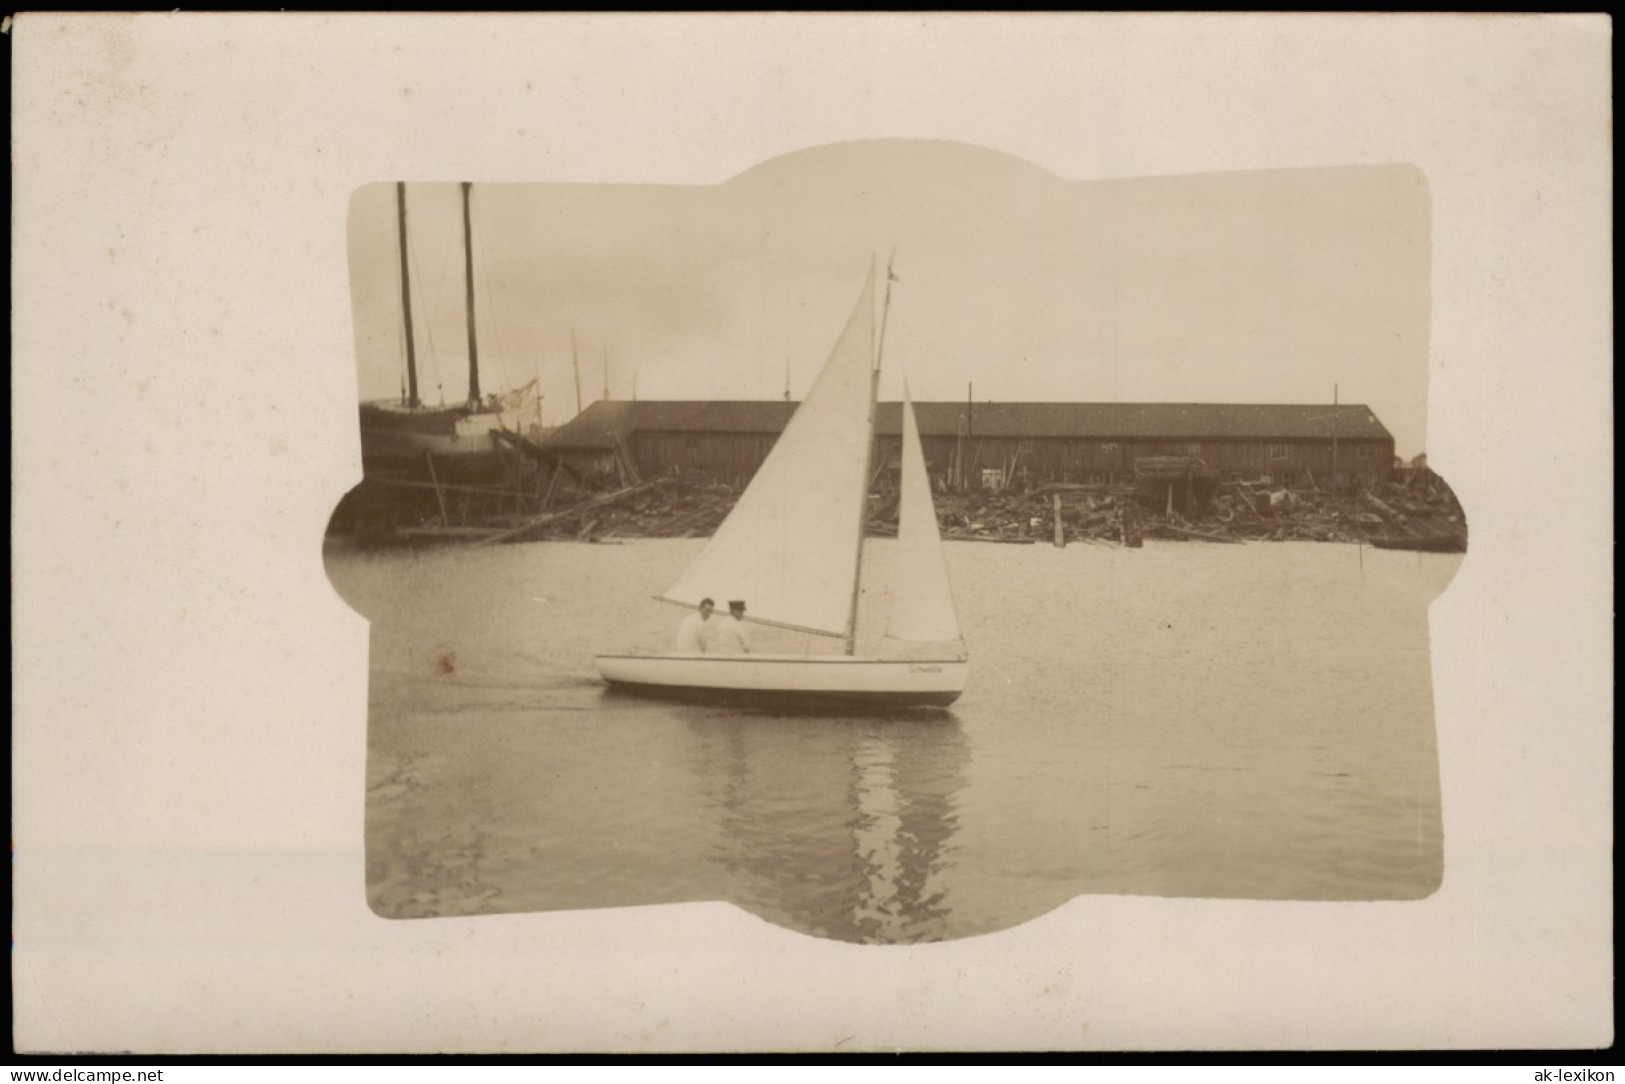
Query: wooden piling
[1060,531]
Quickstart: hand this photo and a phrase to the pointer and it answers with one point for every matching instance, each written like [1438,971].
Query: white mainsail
[922,606]
[790,546]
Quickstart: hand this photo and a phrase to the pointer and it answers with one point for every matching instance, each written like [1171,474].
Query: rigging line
[492,327]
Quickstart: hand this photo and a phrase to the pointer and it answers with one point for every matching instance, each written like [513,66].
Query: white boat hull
[790,682]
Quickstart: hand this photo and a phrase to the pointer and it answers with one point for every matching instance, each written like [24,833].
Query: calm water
[1182,720]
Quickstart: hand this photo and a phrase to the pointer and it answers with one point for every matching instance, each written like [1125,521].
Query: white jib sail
[922,607]
[789,548]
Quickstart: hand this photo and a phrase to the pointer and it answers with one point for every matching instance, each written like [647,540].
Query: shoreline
[1417,512]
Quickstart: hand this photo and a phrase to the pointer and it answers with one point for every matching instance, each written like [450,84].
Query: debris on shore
[1415,509]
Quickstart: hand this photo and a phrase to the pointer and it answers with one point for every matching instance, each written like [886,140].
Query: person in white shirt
[695,633]
[732,637]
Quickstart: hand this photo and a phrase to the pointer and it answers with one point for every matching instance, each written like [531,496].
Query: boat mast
[468,285]
[406,301]
[868,464]
[575,360]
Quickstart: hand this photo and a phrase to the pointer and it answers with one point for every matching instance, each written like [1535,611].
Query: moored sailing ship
[406,437]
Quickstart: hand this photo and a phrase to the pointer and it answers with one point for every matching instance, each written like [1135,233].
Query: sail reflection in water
[839,827]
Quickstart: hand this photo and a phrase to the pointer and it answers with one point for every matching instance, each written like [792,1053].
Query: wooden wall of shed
[589,462]
[1055,459]
[733,458]
[1294,461]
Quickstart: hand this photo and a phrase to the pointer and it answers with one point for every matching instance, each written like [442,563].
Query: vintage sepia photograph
[834,534]
[896,540]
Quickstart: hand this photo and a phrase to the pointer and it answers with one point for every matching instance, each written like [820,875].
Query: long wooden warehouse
[994,445]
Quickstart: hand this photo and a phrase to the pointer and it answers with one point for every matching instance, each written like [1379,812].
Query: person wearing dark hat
[732,637]
[694,634]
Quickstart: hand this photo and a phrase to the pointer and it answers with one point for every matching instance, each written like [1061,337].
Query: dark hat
[736,604]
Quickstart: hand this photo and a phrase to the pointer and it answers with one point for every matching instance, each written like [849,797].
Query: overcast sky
[1255,287]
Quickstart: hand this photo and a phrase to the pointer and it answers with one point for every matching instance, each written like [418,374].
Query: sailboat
[792,549]
[457,441]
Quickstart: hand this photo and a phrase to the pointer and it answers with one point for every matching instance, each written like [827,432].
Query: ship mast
[468,284]
[406,301]
[575,360]
[868,464]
